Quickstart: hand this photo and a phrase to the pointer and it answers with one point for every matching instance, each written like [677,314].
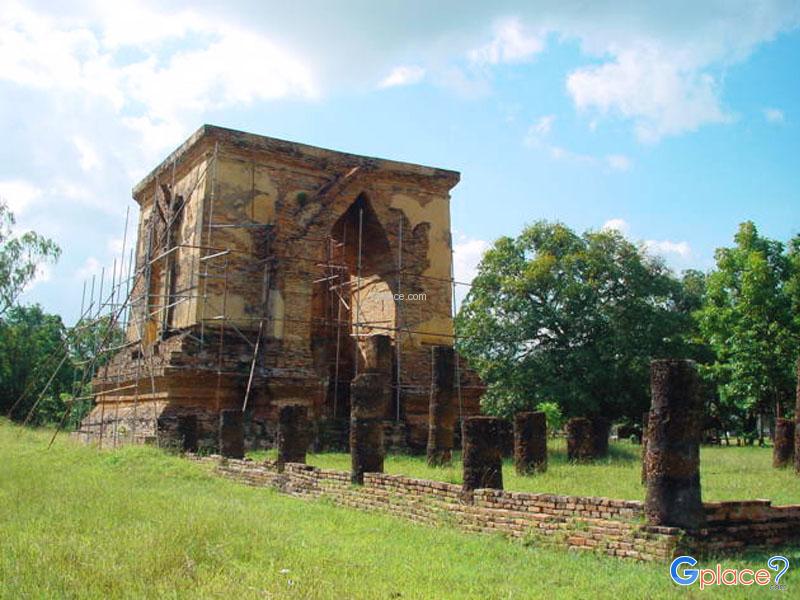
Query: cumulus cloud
[403,75]
[87,155]
[91,266]
[667,247]
[511,43]
[161,91]
[467,254]
[656,92]
[620,225]
[774,115]
[19,194]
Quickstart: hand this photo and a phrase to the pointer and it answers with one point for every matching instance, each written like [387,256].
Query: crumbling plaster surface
[271,206]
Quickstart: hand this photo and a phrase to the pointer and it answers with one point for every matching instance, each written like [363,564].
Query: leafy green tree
[20,257]
[32,343]
[574,319]
[45,366]
[749,320]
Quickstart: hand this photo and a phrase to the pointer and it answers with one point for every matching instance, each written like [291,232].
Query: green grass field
[76,522]
[727,473]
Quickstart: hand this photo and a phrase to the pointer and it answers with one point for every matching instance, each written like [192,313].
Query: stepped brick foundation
[610,527]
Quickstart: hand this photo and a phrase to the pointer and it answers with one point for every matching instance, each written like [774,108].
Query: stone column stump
[187,432]
[482,458]
[231,433]
[580,446]
[293,434]
[673,448]
[369,397]
[530,442]
[442,409]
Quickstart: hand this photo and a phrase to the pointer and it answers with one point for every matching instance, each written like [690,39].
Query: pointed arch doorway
[353,299]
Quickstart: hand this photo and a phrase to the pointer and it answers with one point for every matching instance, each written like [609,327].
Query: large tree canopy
[574,319]
[750,320]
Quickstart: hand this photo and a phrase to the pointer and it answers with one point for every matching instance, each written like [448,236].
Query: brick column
[441,409]
[483,462]
[292,435]
[579,439]
[369,396]
[187,432]
[231,433]
[370,392]
[377,354]
[530,442]
[673,447]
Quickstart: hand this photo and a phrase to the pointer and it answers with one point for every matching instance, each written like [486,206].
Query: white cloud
[91,266]
[403,75]
[666,247]
[618,162]
[774,115]
[467,254]
[620,225]
[87,155]
[161,90]
[511,43]
[19,194]
[652,89]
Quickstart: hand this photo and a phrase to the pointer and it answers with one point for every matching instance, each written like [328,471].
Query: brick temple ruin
[262,270]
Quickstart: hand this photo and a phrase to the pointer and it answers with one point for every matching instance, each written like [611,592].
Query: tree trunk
[783,447]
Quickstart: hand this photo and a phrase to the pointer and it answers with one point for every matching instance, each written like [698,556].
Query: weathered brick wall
[308,246]
[733,526]
[612,527]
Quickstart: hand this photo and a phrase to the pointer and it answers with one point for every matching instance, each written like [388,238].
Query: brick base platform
[603,525]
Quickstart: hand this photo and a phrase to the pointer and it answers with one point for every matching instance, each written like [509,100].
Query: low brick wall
[735,526]
[611,527]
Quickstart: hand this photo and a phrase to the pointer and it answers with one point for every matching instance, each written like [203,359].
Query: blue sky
[670,121]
